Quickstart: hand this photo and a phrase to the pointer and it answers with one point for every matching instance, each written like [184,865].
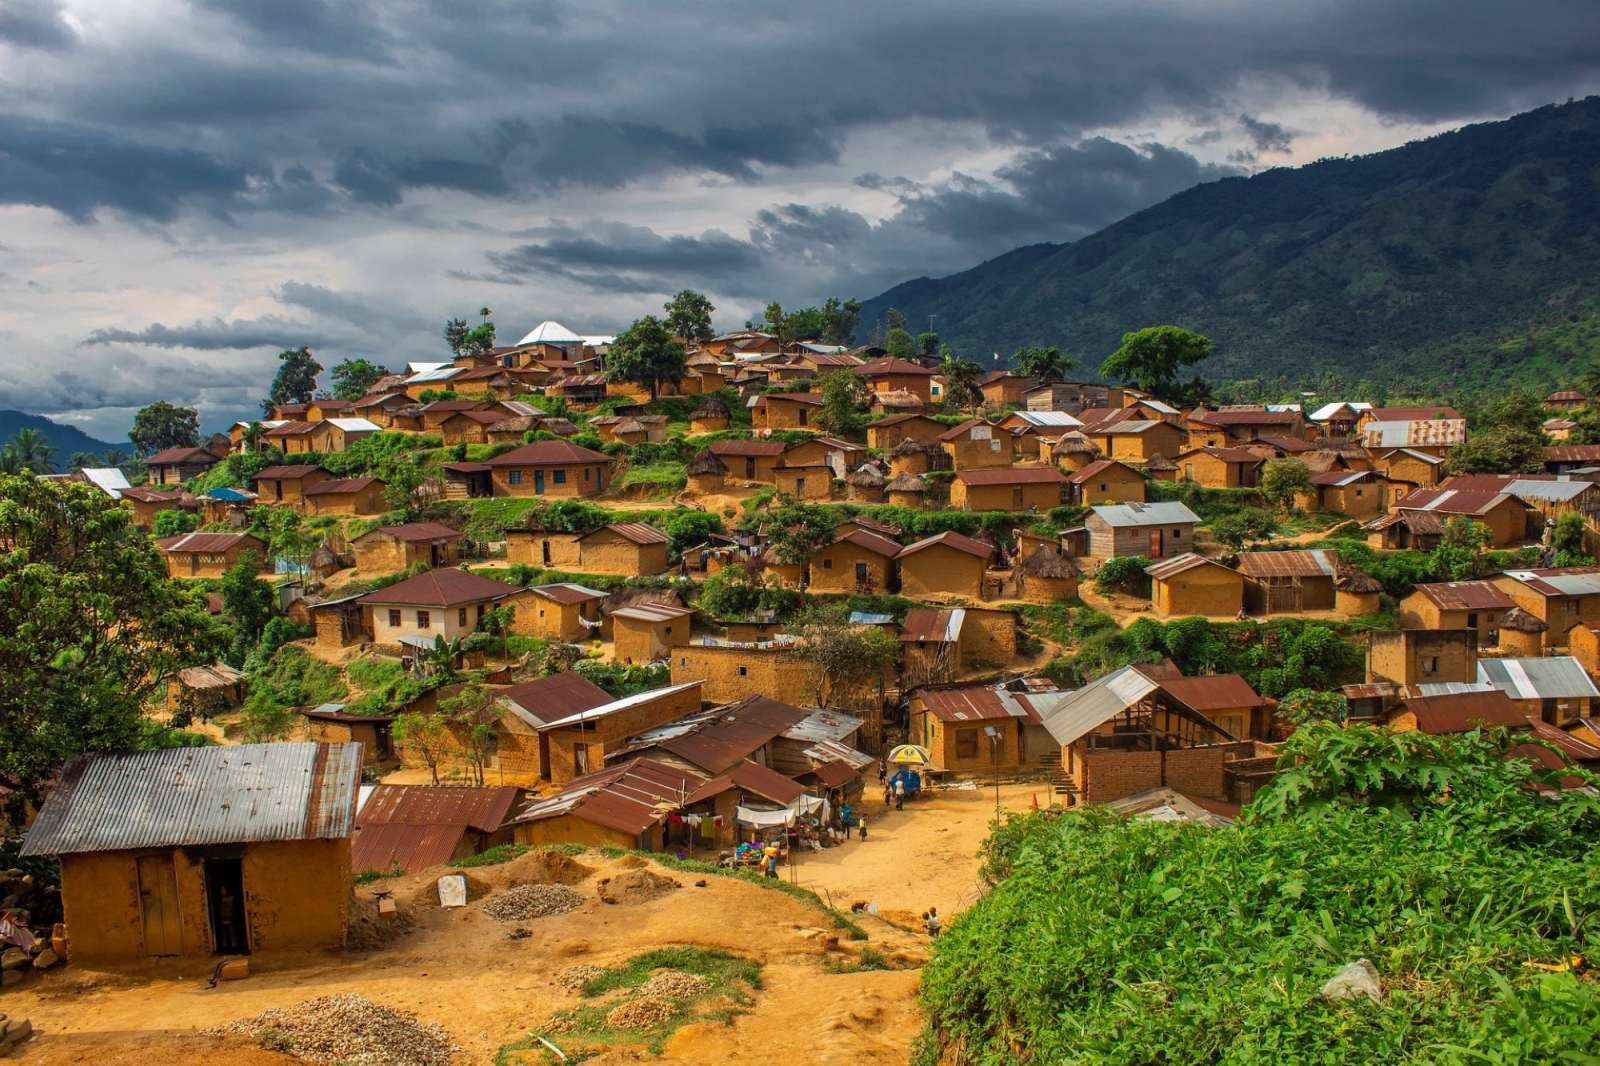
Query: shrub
[174,523]
[1123,575]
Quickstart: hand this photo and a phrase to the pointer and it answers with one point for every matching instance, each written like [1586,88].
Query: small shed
[628,548]
[414,827]
[1554,689]
[1191,584]
[1047,576]
[1522,634]
[706,473]
[388,549]
[1106,481]
[1154,530]
[646,632]
[1289,582]
[213,851]
[710,415]
[331,724]
[1356,593]
[907,490]
[565,611]
[947,564]
[204,690]
[865,486]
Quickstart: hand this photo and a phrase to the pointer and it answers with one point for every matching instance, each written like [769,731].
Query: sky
[187,187]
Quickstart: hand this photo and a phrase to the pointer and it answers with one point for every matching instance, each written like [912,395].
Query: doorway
[225,906]
[538,482]
[158,906]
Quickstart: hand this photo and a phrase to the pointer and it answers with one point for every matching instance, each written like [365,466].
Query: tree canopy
[1283,480]
[1502,449]
[1151,358]
[689,316]
[844,398]
[30,450]
[161,425]
[296,380]
[647,354]
[90,627]
[797,531]
[353,377]
[1046,364]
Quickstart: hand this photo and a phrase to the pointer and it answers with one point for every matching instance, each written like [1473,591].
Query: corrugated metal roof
[108,479]
[1168,805]
[931,624]
[640,533]
[481,807]
[766,783]
[1466,596]
[1316,563]
[567,592]
[548,699]
[1214,693]
[1418,433]
[1460,712]
[652,612]
[208,542]
[870,542]
[1012,475]
[182,797]
[1560,581]
[1126,515]
[441,588]
[823,725]
[832,751]
[625,797]
[1096,703]
[949,538]
[1451,501]
[625,703]
[418,533]
[1167,569]
[217,675]
[720,739]
[1550,678]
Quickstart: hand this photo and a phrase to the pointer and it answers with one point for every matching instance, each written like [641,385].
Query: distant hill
[1462,262]
[65,439]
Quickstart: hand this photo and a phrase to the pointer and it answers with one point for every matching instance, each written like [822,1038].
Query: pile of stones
[14,1032]
[27,902]
[532,901]
[348,1028]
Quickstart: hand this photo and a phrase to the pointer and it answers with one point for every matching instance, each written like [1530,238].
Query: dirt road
[458,969]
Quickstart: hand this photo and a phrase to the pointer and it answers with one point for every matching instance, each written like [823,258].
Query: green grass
[586,1031]
[495,856]
[663,478]
[869,960]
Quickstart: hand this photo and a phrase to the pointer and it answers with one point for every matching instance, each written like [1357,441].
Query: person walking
[863,827]
[931,922]
[899,793]
[883,770]
[771,851]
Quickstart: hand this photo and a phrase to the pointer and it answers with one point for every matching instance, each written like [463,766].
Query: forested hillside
[1453,263]
[65,439]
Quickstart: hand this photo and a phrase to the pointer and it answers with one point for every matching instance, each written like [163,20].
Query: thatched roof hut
[1519,621]
[865,486]
[1046,563]
[1047,576]
[709,407]
[706,463]
[1355,592]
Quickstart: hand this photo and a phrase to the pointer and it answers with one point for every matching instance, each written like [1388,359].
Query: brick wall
[1113,775]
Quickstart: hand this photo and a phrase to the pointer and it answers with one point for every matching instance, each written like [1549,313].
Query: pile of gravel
[532,901]
[639,1014]
[348,1029]
[573,978]
[675,984]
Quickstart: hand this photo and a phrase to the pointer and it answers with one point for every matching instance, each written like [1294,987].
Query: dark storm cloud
[1266,136]
[35,24]
[336,27]
[621,258]
[217,335]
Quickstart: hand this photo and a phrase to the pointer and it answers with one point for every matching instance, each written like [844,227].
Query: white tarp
[453,890]
[757,819]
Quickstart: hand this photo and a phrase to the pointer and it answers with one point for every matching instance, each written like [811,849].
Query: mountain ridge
[65,439]
[1459,261]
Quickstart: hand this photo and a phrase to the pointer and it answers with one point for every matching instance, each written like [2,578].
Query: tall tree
[928,345]
[425,736]
[91,627]
[296,381]
[844,400]
[842,658]
[840,318]
[689,317]
[33,451]
[248,602]
[900,344]
[893,320]
[647,354]
[1046,364]
[81,461]
[963,390]
[455,335]
[1503,449]
[798,531]
[1284,480]
[1150,358]
[475,711]
[353,377]
[161,426]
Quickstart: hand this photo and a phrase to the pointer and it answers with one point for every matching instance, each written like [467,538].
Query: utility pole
[994,747]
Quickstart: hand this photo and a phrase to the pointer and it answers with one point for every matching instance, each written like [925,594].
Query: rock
[13,959]
[17,1031]
[46,959]
[10,977]
[1359,978]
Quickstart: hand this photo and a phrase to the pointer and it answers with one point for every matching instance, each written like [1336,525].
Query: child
[863,827]
[931,919]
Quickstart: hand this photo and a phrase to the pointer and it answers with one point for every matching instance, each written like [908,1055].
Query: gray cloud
[1267,136]
[216,335]
[621,258]
[335,27]
[35,24]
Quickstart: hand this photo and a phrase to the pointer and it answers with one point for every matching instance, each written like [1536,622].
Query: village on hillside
[641,620]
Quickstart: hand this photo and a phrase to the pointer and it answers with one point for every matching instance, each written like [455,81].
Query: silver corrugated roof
[1096,703]
[1123,515]
[194,796]
[1555,491]
[823,725]
[1551,678]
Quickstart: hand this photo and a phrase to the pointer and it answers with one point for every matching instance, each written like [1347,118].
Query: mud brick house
[438,603]
[1476,605]
[786,410]
[1288,582]
[1220,468]
[1226,699]
[733,670]
[1190,584]
[208,554]
[328,723]
[146,503]
[1001,388]
[541,547]
[719,740]
[804,482]
[467,427]
[269,824]
[646,632]
[584,740]
[1409,467]
[1047,576]
[522,744]
[1154,530]
[1560,597]
[558,612]
[954,724]
[1422,656]
[1012,488]
[710,415]
[857,561]
[1554,689]
[628,548]
[1357,493]
[346,496]
[1505,516]
[839,456]
[286,485]
[174,466]
[549,468]
[1122,734]
[886,433]
[388,549]
[947,564]
[1106,481]
[329,435]
[750,460]
[898,375]
[1226,428]
[1136,440]
[940,644]
[618,806]
[976,445]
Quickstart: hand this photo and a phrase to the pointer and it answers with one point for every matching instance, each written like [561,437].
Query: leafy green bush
[688,528]
[1134,942]
[174,523]
[292,678]
[1125,574]
[621,679]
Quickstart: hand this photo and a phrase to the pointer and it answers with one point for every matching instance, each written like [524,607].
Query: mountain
[1461,263]
[65,439]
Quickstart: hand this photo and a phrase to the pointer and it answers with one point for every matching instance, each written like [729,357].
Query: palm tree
[113,457]
[34,451]
[10,461]
[81,461]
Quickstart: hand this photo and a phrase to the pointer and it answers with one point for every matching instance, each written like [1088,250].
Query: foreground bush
[1152,942]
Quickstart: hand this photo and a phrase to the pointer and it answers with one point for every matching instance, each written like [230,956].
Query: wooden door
[158,906]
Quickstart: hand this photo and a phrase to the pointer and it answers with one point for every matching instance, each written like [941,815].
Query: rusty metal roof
[207,542]
[441,588]
[749,447]
[835,774]
[550,699]
[652,612]
[1216,693]
[1012,475]
[481,807]
[1167,569]
[629,797]
[1247,418]
[342,485]
[217,675]
[1459,712]
[978,703]
[418,533]
[1571,453]
[766,783]
[1288,564]
[930,624]
[169,456]
[1415,433]
[548,453]
[950,539]
[870,542]
[286,473]
[567,592]
[718,740]
[640,533]
[241,794]
[1466,596]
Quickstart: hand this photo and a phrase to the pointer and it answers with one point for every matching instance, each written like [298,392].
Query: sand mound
[632,862]
[635,887]
[367,931]
[427,893]
[549,867]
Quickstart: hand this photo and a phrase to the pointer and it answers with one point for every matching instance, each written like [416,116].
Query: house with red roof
[207,554]
[550,468]
[438,603]
[1008,488]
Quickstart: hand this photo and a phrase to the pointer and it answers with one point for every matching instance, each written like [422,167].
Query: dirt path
[458,969]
